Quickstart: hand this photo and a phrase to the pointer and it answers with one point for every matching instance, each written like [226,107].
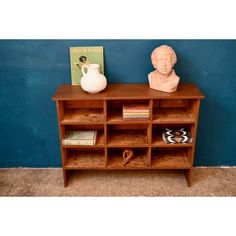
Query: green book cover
[84,55]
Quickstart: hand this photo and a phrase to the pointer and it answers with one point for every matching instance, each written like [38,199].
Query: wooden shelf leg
[188,176]
[65,178]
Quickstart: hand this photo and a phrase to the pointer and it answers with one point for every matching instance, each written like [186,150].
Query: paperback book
[80,56]
[80,138]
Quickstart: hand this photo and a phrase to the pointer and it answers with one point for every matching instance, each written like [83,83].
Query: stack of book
[136,112]
[80,138]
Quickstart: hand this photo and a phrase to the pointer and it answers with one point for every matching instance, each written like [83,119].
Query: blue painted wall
[31,71]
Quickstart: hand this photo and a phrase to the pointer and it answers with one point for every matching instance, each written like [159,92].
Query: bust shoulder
[168,84]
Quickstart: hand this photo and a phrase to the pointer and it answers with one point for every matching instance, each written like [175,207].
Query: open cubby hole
[115,108]
[171,158]
[84,111]
[85,159]
[173,111]
[157,133]
[100,141]
[139,159]
[128,135]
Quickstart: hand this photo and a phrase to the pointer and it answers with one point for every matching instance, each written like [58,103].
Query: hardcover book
[80,138]
[136,108]
[80,56]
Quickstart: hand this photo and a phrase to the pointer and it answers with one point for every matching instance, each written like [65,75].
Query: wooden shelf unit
[79,110]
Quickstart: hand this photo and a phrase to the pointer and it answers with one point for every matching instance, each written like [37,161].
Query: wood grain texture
[85,159]
[173,115]
[60,113]
[174,103]
[126,91]
[83,116]
[139,160]
[128,138]
[157,141]
[170,159]
[84,104]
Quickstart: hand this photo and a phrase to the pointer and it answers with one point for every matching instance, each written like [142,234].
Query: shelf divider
[105,132]
[149,152]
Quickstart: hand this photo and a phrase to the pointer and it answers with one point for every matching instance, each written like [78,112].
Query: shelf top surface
[127,91]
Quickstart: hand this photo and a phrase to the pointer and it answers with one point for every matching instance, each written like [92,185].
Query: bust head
[163,78]
[163,59]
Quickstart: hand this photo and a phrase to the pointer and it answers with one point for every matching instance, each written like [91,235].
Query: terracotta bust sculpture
[164,77]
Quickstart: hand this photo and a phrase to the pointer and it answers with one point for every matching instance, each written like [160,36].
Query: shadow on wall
[216,125]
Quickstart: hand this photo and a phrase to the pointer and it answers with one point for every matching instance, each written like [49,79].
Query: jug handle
[82,69]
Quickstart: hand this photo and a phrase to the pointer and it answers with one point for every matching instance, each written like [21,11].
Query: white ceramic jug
[92,81]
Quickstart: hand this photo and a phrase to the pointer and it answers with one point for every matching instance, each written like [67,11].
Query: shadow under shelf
[172,115]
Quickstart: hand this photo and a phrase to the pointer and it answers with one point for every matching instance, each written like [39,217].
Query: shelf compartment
[115,112]
[85,159]
[100,136]
[115,158]
[99,142]
[170,158]
[173,115]
[116,118]
[178,111]
[157,140]
[83,116]
[129,135]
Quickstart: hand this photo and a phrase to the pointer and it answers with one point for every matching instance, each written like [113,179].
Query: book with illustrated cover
[80,138]
[80,56]
[173,136]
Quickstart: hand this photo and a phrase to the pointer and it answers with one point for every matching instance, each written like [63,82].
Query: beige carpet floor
[48,182]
